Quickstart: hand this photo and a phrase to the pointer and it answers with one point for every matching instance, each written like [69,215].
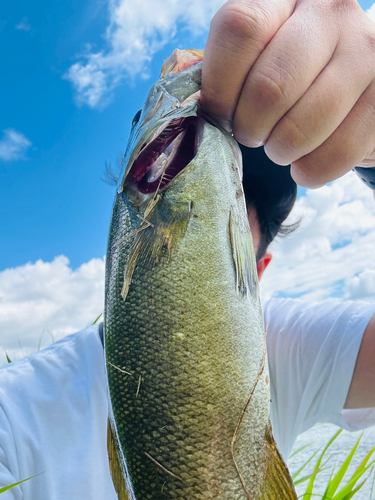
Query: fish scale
[190,417]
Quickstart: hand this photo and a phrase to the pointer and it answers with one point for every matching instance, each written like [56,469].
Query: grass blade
[353,492]
[98,318]
[23,354]
[299,450]
[358,473]
[10,486]
[8,358]
[305,478]
[309,490]
[335,482]
[352,482]
[298,472]
[41,337]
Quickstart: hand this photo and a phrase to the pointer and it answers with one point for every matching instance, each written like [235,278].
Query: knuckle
[309,173]
[343,6]
[268,86]
[345,157]
[294,138]
[243,22]
[369,41]
[289,140]
[368,110]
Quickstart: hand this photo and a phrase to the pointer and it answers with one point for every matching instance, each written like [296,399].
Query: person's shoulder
[312,309]
[63,358]
[52,404]
[305,323]
[277,311]
[280,303]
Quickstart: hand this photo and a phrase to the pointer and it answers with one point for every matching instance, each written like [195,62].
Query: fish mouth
[167,152]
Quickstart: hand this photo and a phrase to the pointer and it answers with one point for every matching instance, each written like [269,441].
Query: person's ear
[263,263]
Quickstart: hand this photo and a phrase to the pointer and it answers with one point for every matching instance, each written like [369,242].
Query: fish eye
[136,118]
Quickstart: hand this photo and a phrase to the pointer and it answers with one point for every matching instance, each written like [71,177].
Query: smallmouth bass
[184,334]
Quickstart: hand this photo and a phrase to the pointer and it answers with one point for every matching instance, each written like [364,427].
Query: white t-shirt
[54,406]
[312,351]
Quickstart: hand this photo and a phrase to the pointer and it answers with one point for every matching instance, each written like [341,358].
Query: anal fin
[115,464]
[278,484]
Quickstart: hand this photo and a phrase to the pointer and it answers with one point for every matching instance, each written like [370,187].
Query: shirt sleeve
[8,460]
[312,351]
[53,422]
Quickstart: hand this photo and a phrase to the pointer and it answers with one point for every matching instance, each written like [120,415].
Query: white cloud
[47,297]
[371,12]
[136,31]
[361,286]
[23,25]
[13,145]
[332,253]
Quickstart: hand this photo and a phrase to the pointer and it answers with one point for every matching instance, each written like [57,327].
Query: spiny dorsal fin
[278,484]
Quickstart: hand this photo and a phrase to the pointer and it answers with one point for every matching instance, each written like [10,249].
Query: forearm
[362,388]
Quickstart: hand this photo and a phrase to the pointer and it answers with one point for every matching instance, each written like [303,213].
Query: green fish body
[184,333]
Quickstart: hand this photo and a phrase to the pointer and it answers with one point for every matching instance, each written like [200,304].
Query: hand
[299,77]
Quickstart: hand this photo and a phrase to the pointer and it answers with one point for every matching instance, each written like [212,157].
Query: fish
[185,342]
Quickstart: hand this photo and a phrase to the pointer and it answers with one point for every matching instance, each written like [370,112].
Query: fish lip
[147,132]
[177,140]
[166,99]
[158,117]
[153,150]
[183,136]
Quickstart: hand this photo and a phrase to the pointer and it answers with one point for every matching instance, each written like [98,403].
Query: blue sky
[73,75]
[53,200]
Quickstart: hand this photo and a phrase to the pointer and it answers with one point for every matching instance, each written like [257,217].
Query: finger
[239,32]
[299,51]
[368,162]
[320,110]
[350,143]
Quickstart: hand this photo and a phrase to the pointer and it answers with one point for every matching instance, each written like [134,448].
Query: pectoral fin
[164,227]
[243,253]
[169,223]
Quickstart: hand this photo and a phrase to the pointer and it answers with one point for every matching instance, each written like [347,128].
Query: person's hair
[271,191]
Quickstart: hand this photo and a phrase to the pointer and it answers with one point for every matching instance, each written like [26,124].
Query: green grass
[10,486]
[341,485]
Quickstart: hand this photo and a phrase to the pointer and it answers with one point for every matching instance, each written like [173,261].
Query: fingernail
[248,141]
